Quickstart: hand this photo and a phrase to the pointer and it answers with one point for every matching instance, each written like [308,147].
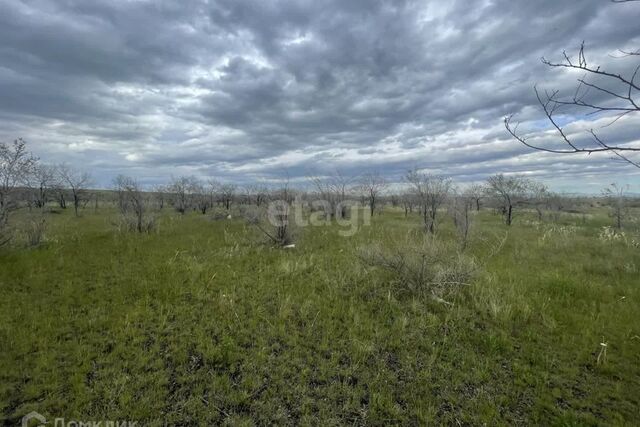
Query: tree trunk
[432,223]
[76,203]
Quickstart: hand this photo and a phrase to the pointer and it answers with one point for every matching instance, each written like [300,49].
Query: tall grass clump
[35,232]
[5,236]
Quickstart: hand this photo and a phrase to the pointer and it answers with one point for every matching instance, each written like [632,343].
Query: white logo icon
[33,416]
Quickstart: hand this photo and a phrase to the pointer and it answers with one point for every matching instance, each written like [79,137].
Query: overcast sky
[258,90]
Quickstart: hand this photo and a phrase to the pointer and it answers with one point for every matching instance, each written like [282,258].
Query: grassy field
[201,323]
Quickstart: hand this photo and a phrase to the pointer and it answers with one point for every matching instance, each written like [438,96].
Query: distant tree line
[26,182]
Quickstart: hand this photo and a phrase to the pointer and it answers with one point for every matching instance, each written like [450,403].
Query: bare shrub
[218,215]
[428,267]
[275,222]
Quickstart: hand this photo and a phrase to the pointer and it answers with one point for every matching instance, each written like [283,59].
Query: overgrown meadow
[202,322]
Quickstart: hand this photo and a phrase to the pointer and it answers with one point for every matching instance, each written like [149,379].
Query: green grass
[200,323]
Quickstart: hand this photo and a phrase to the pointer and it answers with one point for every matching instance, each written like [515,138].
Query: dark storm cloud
[249,90]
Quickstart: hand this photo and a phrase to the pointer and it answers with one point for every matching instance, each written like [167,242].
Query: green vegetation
[200,322]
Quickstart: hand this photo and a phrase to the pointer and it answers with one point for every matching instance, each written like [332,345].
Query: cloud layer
[246,90]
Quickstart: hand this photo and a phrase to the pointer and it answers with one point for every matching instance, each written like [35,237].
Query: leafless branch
[620,94]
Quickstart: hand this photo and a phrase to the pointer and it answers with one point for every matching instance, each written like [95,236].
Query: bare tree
[334,189]
[372,184]
[460,207]
[540,197]
[227,194]
[41,182]
[256,194]
[431,192]
[59,189]
[598,92]
[408,201]
[120,183]
[16,167]
[132,202]
[615,194]
[510,191]
[77,182]
[202,199]
[556,203]
[476,192]
[182,189]
[212,187]
[159,193]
